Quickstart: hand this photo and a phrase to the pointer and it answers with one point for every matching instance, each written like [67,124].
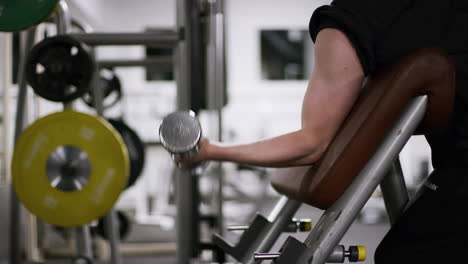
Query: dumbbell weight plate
[180,132]
[136,149]
[69,168]
[60,68]
[16,15]
[111,88]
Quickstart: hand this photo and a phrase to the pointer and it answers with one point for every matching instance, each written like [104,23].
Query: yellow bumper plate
[107,156]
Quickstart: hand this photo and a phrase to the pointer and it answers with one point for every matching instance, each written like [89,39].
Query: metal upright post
[62,18]
[63,24]
[187,65]
[183,181]
[5,180]
[394,192]
[27,41]
[215,92]
[113,232]
[83,245]
[7,66]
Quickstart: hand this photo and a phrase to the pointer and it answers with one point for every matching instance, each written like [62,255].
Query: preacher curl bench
[414,95]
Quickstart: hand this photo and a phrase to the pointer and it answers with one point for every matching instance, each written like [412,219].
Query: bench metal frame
[383,168]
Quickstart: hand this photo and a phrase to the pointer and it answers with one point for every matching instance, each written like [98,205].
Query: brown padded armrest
[424,72]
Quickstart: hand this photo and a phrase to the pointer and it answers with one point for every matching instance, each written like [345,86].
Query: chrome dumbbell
[180,134]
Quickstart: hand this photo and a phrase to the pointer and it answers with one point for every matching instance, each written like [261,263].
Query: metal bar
[219,102]
[184,219]
[33,253]
[215,95]
[110,220]
[83,245]
[7,39]
[394,192]
[219,58]
[266,256]
[63,23]
[21,110]
[182,59]
[183,183]
[97,91]
[5,179]
[195,244]
[112,230]
[182,178]
[238,228]
[186,189]
[338,218]
[279,206]
[163,62]
[63,18]
[163,39]
[280,217]
[211,57]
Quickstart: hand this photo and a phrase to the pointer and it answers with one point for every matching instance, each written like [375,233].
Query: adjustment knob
[356,253]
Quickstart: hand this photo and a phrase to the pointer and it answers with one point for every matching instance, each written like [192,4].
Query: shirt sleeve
[363,21]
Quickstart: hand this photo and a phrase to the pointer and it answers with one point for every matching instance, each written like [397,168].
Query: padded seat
[424,72]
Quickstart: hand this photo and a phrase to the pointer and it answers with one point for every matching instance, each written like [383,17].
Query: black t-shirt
[385,30]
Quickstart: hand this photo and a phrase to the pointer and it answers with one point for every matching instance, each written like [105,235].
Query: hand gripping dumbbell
[180,134]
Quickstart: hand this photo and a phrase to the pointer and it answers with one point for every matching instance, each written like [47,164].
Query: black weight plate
[60,68]
[111,88]
[135,146]
[123,223]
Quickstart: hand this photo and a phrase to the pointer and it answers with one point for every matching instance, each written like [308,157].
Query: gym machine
[408,95]
[28,68]
[65,86]
[190,49]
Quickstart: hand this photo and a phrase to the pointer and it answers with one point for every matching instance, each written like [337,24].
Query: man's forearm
[292,149]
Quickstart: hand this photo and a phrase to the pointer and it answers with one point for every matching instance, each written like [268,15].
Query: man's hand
[198,158]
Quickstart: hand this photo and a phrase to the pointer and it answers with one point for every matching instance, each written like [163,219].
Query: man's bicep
[334,84]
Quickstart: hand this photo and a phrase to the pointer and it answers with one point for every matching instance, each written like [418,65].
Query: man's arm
[333,88]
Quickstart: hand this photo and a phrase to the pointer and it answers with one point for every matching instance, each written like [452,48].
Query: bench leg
[394,192]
